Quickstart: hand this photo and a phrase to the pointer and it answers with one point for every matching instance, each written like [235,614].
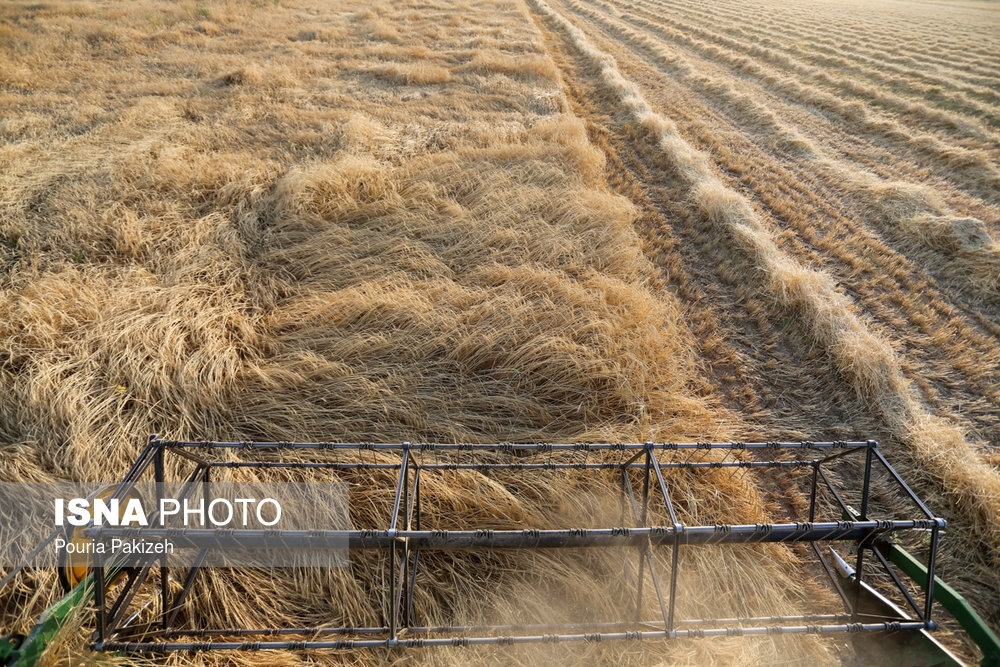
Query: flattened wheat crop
[507,220]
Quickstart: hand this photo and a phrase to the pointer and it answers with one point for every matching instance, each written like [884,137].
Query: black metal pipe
[393,628]
[416,552]
[99,603]
[626,483]
[674,564]
[140,465]
[510,447]
[899,480]
[409,594]
[836,494]
[665,492]
[862,543]
[183,453]
[632,459]
[642,522]
[866,485]
[931,574]
[899,584]
[118,607]
[812,492]
[513,539]
[158,473]
[522,627]
[834,457]
[400,482]
[848,604]
[510,640]
[508,466]
[186,586]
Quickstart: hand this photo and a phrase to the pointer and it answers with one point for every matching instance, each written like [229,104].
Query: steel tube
[513,539]
[510,640]
[899,480]
[519,627]
[508,466]
[504,447]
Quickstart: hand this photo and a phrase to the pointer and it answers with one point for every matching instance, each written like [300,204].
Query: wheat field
[508,221]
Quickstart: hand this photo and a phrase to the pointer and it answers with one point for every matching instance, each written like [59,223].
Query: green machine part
[18,652]
[950,599]
[9,645]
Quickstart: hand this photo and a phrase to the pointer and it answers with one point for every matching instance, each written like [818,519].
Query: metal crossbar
[403,538]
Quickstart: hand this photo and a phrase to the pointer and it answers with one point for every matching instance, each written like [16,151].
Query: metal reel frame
[404,537]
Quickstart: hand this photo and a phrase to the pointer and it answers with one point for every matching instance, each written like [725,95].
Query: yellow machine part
[74,567]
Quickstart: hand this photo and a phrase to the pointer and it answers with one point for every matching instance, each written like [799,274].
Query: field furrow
[786,115]
[911,216]
[971,168]
[853,39]
[771,61]
[913,38]
[779,246]
[826,236]
[938,91]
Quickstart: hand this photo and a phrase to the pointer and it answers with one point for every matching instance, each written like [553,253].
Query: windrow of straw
[778,30]
[866,360]
[974,165]
[961,247]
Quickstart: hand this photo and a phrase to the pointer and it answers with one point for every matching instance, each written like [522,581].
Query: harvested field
[508,221]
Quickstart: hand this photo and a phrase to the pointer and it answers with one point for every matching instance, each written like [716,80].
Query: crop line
[973,163]
[825,47]
[864,32]
[965,246]
[867,361]
[948,121]
[735,52]
[778,38]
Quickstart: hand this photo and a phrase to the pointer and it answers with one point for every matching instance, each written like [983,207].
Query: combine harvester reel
[887,593]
